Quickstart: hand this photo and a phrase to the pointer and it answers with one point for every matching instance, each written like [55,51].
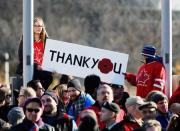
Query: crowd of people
[69,107]
[93,105]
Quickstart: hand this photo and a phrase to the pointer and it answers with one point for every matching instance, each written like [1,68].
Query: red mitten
[131,78]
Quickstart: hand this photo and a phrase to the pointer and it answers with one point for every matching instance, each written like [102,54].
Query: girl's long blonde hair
[43,34]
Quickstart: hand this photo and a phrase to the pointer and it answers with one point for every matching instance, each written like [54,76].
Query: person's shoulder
[88,96]
[158,63]
[85,95]
[118,126]
[18,127]
[47,127]
[89,99]
[2,123]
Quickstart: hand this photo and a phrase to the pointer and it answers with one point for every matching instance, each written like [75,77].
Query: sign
[80,61]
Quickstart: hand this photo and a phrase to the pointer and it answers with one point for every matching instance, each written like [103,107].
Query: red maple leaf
[105,65]
[143,77]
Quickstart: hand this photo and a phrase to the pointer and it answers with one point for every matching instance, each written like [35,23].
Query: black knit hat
[51,94]
[75,83]
[149,50]
[158,97]
[33,99]
[112,107]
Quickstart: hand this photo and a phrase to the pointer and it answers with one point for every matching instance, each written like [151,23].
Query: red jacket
[38,52]
[97,109]
[128,124]
[150,77]
[175,98]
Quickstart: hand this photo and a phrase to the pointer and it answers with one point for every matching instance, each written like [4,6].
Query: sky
[176,4]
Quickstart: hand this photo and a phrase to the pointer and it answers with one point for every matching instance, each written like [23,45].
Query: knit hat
[15,115]
[75,83]
[53,95]
[112,107]
[158,97]
[149,50]
[134,100]
[148,104]
[33,99]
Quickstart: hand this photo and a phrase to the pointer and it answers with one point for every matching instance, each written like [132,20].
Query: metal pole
[166,39]
[27,41]
[6,65]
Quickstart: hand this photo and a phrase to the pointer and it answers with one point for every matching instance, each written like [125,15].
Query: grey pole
[166,39]
[27,41]
[6,65]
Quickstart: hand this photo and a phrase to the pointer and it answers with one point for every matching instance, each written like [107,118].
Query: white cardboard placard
[80,61]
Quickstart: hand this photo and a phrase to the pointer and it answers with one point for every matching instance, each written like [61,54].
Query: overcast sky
[176,4]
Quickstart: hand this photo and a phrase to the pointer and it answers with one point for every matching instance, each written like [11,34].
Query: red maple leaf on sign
[105,65]
[143,77]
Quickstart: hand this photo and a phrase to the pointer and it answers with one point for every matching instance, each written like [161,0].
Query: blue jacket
[83,101]
[164,119]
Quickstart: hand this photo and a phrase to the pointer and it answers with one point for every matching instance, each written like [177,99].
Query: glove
[131,78]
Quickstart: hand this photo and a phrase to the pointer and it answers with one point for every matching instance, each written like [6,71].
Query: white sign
[80,61]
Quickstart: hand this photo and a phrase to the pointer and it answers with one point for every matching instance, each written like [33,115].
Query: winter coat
[150,77]
[28,125]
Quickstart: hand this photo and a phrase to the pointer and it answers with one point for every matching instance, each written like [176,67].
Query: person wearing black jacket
[53,116]
[40,36]
[33,109]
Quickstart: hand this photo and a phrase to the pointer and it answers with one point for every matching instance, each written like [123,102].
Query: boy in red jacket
[151,75]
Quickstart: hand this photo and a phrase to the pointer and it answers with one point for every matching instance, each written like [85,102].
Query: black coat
[27,125]
[45,77]
[116,127]
[59,123]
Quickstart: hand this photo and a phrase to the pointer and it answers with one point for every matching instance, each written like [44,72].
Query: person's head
[25,92]
[8,98]
[149,54]
[50,102]
[33,109]
[152,125]
[118,91]
[88,121]
[109,112]
[2,96]
[62,92]
[65,79]
[175,108]
[132,106]
[104,94]
[15,116]
[39,28]
[91,83]
[88,112]
[148,110]
[149,51]
[37,86]
[150,95]
[162,102]
[74,88]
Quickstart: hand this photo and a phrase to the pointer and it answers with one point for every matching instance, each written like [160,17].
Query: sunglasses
[8,95]
[31,110]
